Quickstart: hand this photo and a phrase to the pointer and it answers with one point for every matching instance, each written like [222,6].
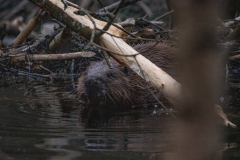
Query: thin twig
[164,15]
[113,6]
[82,11]
[110,22]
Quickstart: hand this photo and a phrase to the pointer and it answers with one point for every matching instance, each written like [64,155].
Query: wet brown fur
[104,86]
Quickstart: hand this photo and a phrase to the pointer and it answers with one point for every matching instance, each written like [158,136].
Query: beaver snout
[95,91]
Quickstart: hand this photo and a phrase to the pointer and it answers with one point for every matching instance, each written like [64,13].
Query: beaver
[102,86]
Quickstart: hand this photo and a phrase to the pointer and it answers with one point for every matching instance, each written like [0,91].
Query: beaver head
[102,85]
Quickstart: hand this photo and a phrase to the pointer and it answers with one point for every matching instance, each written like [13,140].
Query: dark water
[45,123]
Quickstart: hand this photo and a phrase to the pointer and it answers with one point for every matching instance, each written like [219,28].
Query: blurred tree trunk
[197,132]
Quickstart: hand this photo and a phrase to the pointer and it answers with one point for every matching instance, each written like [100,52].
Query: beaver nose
[93,87]
[91,83]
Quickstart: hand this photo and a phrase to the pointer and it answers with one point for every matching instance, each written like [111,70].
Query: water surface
[46,122]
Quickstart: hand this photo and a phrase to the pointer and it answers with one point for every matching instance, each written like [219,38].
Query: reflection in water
[45,123]
[135,130]
[57,145]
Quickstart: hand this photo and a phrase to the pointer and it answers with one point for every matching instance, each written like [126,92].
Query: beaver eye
[110,74]
[127,71]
